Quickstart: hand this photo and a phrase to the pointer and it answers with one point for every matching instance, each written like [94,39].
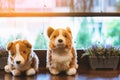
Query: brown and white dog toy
[61,55]
[21,58]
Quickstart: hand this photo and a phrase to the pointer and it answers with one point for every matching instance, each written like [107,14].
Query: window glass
[59,5]
[85,30]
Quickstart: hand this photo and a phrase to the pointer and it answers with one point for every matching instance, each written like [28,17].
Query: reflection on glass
[59,5]
[85,30]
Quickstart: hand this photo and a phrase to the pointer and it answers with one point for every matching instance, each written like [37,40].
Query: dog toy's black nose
[60,40]
[18,62]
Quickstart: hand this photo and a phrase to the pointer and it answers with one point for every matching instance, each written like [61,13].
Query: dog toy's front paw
[30,72]
[7,68]
[71,71]
[16,72]
[54,71]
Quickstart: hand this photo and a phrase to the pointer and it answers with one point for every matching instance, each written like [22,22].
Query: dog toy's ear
[9,46]
[69,31]
[27,43]
[49,31]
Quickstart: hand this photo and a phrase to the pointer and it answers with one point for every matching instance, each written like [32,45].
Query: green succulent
[3,52]
[100,50]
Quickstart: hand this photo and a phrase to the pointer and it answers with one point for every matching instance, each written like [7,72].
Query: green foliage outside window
[83,37]
[40,42]
[113,28]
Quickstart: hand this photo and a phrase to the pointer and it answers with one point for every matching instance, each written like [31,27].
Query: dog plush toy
[21,58]
[61,55]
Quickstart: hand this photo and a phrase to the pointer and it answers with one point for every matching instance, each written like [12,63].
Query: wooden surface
[84,72]
[81,75]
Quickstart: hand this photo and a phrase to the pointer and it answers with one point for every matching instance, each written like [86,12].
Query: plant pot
[110,62]
[3,62]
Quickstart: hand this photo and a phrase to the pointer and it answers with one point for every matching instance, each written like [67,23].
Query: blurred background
[86,30]
[60,5]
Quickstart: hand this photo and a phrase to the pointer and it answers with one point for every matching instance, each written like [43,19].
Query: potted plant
[3,57]
[102,56]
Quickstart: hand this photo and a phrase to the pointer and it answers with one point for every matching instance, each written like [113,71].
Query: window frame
[59,14]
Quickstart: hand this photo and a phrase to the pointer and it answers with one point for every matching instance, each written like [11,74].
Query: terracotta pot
[100,62]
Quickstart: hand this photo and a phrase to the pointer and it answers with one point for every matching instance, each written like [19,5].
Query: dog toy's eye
[24,52]
[65,36]
[54,36]
[12,54]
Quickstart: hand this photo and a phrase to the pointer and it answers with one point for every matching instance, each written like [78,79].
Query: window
[111,2]
[86,30]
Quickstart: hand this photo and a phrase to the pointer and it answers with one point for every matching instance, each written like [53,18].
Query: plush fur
[21,58]
[61,55]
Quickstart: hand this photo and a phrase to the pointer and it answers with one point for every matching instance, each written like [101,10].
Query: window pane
[86,30]
[59,5]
